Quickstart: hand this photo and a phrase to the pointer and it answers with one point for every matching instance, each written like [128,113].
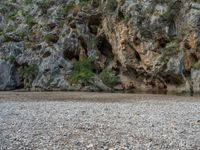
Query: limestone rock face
[52,71]
[9,79]
[150,45]
[195,75]
[158,41]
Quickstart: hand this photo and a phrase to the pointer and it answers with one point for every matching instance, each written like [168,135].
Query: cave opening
[105,47]
[70,55]
[137,56]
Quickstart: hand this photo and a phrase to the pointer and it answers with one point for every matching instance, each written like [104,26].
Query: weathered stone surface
[52,73]
[195,75]
[9,79]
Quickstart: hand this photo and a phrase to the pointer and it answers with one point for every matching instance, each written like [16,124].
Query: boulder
[9,79]
[195,76]
[52,72]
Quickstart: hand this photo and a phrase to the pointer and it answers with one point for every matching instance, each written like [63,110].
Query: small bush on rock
[111,5]
[28,71]
[84,2]
[30,21]
[27,2]
[109,78]
[172,48]
[44,5]
[82,71]
[11,59]
[51,38]
[66,9]
[196,65]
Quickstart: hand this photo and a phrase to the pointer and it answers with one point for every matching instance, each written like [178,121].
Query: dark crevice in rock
[137,41]
[105,47]
[120,15]
[194,57]
[37,47]
[69,55]
[187,73]
[137,55]
[83,43]
[70,48]
[187,45]
[46,54]
[95,20]
[93,29]
[198,35]
[46,71]
[21,85]
[51,26]
[146,33]
[172,29]
[60,66]
[171,78]
[163,42]
[131,72]
[118,67]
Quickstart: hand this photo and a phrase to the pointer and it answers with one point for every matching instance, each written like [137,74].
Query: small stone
[89,146]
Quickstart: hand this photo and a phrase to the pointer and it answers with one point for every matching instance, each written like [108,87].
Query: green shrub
[10,29]
[22,34]
[8,9]
[27,2]
[11,59]
[111,5]
[172,11]
[50,37]
[126,19]
[71,6]
[29,45]
[171,48]
[44,5]
[109,78]
[12,15]
[182,31]
[84,2]
[82,71]
[30,21]
[196,65]
[13,1]
[28,71]
[66,9]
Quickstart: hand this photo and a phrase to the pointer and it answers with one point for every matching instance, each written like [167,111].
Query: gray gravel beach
[96,121]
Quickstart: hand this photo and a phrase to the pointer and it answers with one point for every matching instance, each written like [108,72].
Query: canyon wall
[100,45]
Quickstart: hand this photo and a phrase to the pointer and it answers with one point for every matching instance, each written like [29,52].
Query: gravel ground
[96,121]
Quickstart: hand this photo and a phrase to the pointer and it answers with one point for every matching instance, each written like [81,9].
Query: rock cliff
[95,45]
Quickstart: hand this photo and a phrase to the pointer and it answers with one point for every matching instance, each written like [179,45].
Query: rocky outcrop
[8,76]
[149,45]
